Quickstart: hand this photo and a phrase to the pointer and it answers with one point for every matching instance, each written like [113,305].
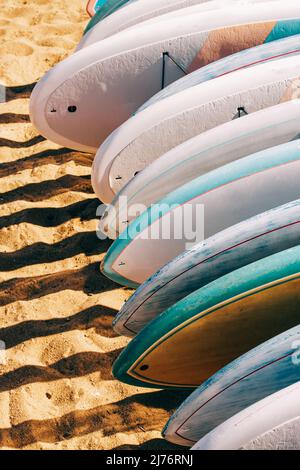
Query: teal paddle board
[214,325]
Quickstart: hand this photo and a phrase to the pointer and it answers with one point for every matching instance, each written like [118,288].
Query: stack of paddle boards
[192,109]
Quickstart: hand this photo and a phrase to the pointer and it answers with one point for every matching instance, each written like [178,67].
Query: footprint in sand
[16,49]
[10,12]
[4,22]
[62,43]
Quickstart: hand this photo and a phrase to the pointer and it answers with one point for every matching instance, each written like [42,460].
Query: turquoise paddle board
[237,246]
[104,24]
[214,325]
[261,372]
[100,9]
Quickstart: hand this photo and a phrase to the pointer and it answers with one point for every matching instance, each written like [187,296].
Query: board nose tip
[33,102]
[115,369]
[37,107]
[118,370]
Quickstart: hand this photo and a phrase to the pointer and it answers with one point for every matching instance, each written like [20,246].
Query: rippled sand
[56,388]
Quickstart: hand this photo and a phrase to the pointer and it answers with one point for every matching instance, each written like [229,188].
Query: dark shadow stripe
[46,157]
[142,412]
[87,279]
[52,217]
[12,118]
[46,189]
[78,365]
[18,92]
[152,444]
[80,243]
[19,145]
[97,317]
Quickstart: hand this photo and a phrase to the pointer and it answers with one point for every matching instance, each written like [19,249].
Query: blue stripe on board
[283,29]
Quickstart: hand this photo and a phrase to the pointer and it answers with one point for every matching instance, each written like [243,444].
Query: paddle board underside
[256,375]
[259,426]
[223,204]
[126,69]
[201,154]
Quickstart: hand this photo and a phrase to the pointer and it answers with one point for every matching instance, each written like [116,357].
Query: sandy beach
[56,388]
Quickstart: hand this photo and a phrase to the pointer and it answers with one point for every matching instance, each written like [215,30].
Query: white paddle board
[170,122]
[84,98]
[269,424]
[199,155]
[138,11]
